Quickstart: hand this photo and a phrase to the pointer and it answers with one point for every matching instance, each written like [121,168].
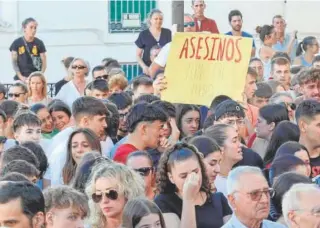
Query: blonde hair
[44,82]
[129,183]
[118,80]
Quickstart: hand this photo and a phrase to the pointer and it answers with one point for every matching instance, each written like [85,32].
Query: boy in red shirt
[145,123]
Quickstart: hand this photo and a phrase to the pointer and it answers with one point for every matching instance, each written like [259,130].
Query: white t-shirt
[163,55]
[58,157]
[68,93]
[221,185]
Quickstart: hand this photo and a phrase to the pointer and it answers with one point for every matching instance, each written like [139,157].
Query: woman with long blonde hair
[110,187]
[37,87]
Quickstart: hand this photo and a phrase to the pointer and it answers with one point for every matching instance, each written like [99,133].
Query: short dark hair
[97,68]
[218,100]
[20,166]
[37,150]
[167,107]
[3,115]
[140,153]
[25,119]
[263,90]
[141,80]
[88,106]
[255,59]
[15,177]
[122,100]
[182,109]
[234,13]
[32,200]
[283,183]
[100,84]
[307,109]
[59,106]
[19,153]
[274,113]
[112,63]
[37,107]
[10,107]
[144,112]
[147,98]
[62,197]
[264,31]
[67,61]
[252,72]
[296,69]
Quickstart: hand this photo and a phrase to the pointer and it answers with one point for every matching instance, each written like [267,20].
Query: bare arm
[188,217]
[153,69]
[139,53]
[14,57]
[44,62]
[171,220]
[292,41]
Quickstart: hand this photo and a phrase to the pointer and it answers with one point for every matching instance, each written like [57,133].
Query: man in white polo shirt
[161,60]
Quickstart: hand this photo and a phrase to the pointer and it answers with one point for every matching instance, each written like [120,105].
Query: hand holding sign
[202,66]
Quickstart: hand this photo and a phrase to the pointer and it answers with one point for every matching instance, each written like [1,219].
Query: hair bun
[258,29]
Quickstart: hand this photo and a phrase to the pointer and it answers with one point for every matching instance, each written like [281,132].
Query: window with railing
[129,16]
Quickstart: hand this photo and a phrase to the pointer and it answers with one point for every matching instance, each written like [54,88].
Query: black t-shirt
[146,41]
[250,158]
[209,215]
[59,85]
[36,47]
[315,166]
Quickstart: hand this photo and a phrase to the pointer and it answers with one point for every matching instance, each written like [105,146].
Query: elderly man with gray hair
[249,196]
[301,206]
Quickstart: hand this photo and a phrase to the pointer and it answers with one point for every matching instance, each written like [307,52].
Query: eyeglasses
[144,171]
[257,194]
[189,24]
[15,94]
[105,77]
[292,106]
[110,194]
[79,67]
[123,115]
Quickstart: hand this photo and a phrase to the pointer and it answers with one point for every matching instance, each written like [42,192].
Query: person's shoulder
[37,40]
[246,34]
[18,40]
[210,20]
[165,30]
[270,224]
[229,33]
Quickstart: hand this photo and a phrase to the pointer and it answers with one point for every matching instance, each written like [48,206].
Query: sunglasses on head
[189,24]
[110,194]
[292,106]
[79,67]
[144,171]
[15,94]
[105,77]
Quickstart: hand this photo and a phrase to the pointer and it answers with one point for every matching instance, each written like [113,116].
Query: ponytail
[300,49]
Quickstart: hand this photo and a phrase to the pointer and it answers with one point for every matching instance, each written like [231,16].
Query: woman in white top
[227,138]
[79,68]
[37,87]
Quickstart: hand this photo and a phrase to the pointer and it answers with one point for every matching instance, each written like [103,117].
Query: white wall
[80,28]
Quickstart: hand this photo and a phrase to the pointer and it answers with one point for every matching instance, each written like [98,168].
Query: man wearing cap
[232,113]
[3,92]
[261,95]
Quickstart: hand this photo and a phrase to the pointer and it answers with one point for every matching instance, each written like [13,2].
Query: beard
[237,28]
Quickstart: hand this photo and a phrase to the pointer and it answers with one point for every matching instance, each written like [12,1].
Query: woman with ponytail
[306,51]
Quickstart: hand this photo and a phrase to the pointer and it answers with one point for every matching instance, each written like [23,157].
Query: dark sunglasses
[189,24]
[292,106]
[105,77]
[111,194]
[121,116]
[15,94]
[144,171]
[79,67]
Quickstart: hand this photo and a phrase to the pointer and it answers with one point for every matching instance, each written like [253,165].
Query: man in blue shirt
[235,20]
[284,41]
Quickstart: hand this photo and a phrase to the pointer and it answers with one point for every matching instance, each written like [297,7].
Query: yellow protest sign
[202,66]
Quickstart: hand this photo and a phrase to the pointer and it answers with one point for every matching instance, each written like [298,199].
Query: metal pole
[177,14]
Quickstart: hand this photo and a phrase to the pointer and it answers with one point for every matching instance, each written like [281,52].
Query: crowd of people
[105,152]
